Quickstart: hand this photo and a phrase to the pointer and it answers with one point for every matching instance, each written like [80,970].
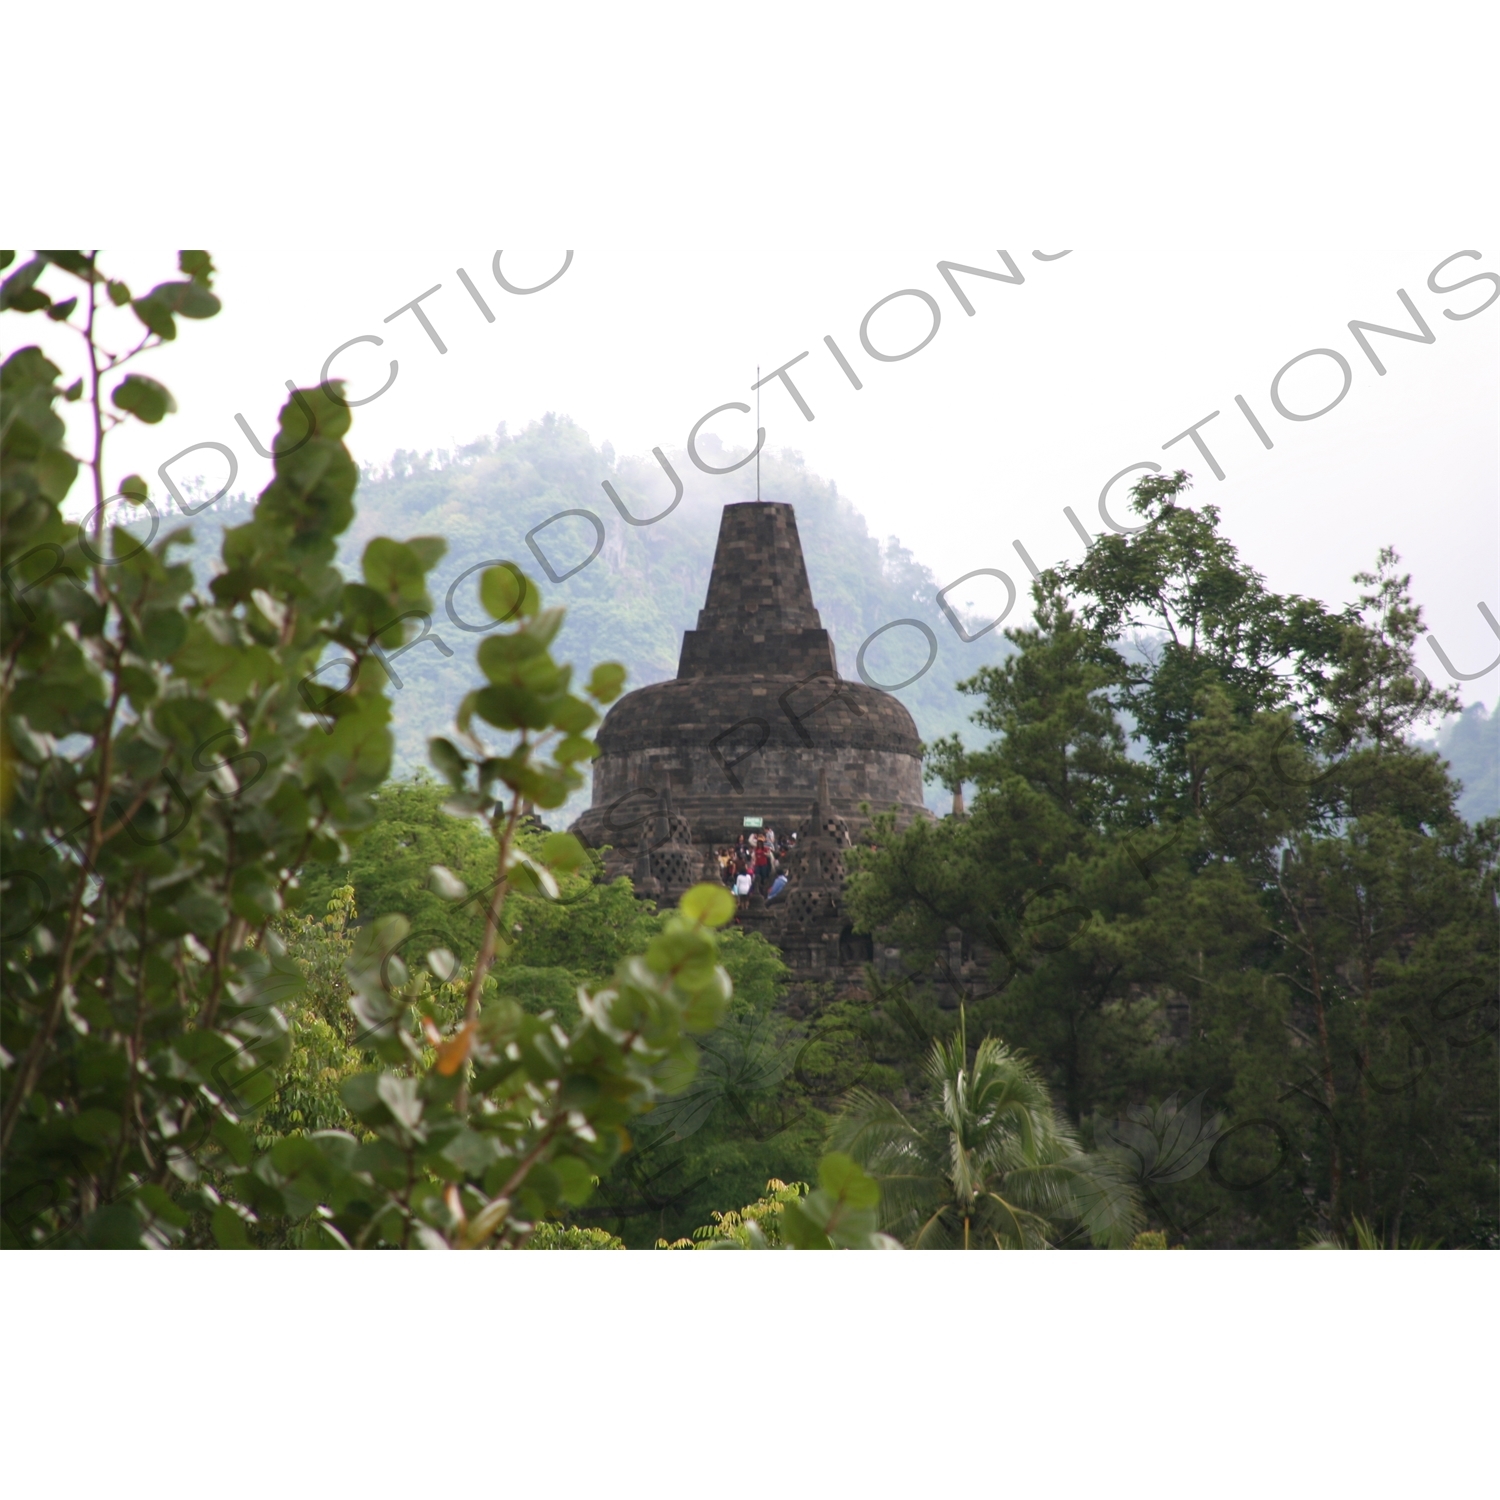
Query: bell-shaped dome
[756,713]
[666,862]
[815,868]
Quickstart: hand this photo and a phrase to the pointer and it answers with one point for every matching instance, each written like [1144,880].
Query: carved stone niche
[666,861]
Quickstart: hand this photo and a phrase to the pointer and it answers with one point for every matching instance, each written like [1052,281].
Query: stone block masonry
[756,718]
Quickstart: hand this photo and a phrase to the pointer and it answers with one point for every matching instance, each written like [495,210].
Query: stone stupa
[756,727]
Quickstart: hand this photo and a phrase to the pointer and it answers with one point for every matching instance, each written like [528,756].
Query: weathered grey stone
[757,724]
[756,711]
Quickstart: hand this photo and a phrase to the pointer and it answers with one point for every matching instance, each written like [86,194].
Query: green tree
[487,1118]
[945,763]
[172,767]
[172,763]
[1384,904]
[839,1214]
[756,1107]
[1205,620]
[390,867]
[1036,885]
[550,1235]
[986,1162]
[744,1115]
[1278,908]
[323,1048]
[416,848]
[501,1122]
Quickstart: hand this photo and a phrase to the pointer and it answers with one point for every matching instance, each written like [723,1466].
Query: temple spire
[758,617]
[759,578]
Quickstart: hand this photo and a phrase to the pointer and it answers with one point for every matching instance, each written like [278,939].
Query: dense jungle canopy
[1207,957]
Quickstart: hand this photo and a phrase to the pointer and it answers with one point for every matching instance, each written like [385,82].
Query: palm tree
[1365,1238]
[987,1163]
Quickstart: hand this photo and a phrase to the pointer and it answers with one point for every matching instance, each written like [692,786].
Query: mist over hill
[645,586]
[1470,743]
[646,583]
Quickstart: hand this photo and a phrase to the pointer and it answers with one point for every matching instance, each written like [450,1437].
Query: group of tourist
[756,865]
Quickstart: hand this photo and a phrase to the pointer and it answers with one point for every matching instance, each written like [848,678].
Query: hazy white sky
[980,438]
[1233,189]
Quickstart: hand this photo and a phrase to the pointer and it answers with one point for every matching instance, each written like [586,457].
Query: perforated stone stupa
[755,729]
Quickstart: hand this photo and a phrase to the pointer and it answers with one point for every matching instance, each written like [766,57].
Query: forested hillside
[1470,744]
[632,603]
[646,585]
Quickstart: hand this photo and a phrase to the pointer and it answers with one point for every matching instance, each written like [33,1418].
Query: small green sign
[755,822]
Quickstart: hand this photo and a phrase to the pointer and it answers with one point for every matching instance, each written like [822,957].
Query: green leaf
[338,1147]
[296,1156]
[562,851]
[200,913]
[119,293]
[17,291]
[401,1097]
[575,1180]
[163,631]
[507,593]
[502,656]
[361,1093]
[708,903]
[545,625]
[234,1140]
[157,318]
[59,311]
[113,1227]
[144,397]
[229,1229]
[448,759]
[606,682]
[573,716]
[71,260]
[446,884]
[197,264]
[548,789]
[528,876]
[159,1205]
[847,1181]
[376,940]
[429,549]
[511,707]
[32,299]
[97,1126]
[227,671]
[393,568]
[709,1003]
[802,1230]
[472,1152]
[573,748]
[139,685]
[253,894]
[186,299]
